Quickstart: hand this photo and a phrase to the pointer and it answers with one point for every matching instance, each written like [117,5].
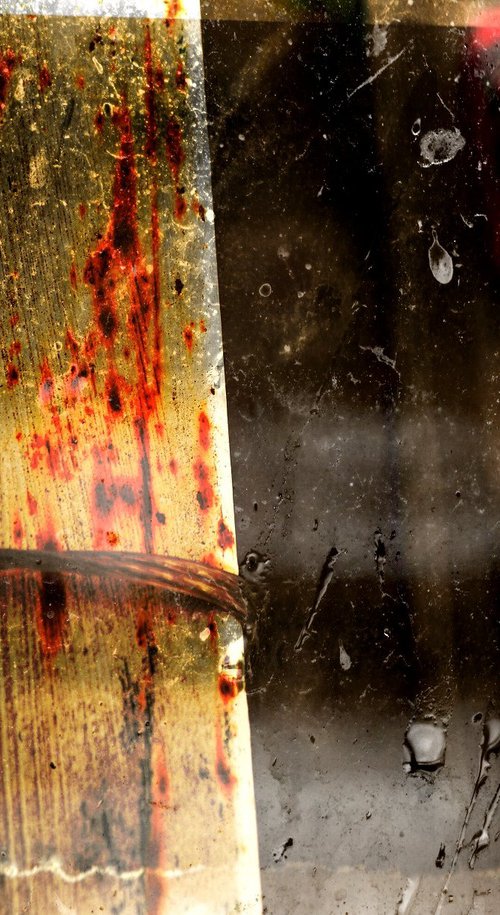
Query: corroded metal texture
[125,764]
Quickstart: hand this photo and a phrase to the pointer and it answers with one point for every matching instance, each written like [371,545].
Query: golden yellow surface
[113,425]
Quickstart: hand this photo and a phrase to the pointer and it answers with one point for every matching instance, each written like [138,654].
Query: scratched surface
[124,745]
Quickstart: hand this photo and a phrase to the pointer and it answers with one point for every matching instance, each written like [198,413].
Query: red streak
[175,152]
[44,78]
[8,61]
[204,430]
[32,504]
[156,884]
[73,277]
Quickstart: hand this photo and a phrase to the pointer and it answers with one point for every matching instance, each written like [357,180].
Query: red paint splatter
[44,78]
[112,538]
[205,493]
[225,537]
[174,467]
[204,430]
[8,61]
[12,375]
[32,503]
[80,81]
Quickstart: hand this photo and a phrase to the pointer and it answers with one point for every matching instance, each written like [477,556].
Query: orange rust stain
[204,430]
[82,210]
[172,9]
[155,82]
[225,537]
[51,616]
[229,687]
[205,493]
[14,319]
[80,81]
[18,531]
[112,538]
[174,467]
[118,261]
[8,61]
[187,333]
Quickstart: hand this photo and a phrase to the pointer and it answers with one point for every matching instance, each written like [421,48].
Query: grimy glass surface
[355,152]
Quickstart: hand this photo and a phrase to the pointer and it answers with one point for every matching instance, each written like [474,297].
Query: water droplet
[345,660]
[265,290]
[416,127]
[425,745]
[440,262]
[491,736]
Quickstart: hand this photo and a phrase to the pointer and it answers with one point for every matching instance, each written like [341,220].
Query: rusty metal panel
[125,762]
